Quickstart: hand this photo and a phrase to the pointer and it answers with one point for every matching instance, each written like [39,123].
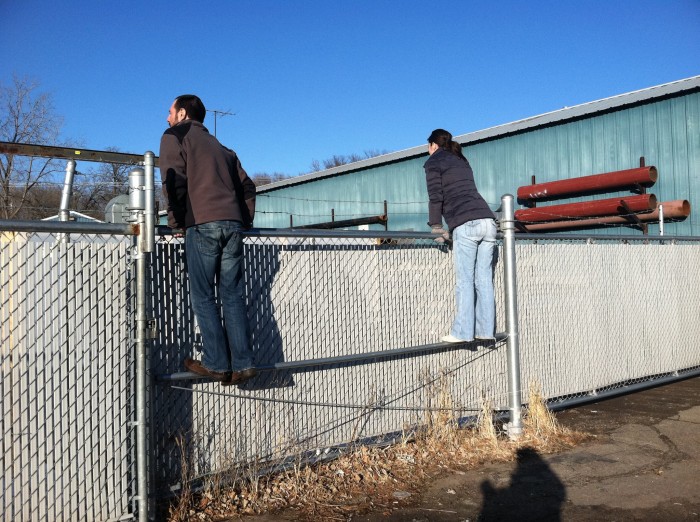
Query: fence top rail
[321,233]
[68,227]
[389,234]
[600,238]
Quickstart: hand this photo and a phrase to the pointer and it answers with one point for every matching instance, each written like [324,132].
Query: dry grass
[541,430]
[366,478]
[179,511]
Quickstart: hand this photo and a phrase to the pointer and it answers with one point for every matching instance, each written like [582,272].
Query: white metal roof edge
[567,113]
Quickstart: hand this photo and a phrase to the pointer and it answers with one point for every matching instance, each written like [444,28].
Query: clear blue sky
[308,79]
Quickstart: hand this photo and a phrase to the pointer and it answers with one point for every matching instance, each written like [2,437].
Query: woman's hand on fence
[444,234]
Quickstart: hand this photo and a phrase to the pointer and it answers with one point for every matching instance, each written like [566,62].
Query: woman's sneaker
[452,339]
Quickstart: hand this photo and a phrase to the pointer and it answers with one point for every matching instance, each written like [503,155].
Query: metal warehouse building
[659,124]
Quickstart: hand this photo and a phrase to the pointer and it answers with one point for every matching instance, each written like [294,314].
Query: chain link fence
[596,317]
[66,377]
[346,333]
[600,316]
[312,304]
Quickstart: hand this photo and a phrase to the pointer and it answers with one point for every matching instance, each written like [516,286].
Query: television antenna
[218,113]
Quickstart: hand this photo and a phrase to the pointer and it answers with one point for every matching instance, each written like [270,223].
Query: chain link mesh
[66,377]
[594,316]
[316,298]
[597,314]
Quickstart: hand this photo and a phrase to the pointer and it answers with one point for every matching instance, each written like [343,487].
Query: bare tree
[263,178]
[338,159]
[97,187]
[42,201]
[26,116]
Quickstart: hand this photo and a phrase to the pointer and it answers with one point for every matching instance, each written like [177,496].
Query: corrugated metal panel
[358,194]
[665,132]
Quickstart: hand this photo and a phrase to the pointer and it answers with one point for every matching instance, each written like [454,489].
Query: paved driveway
[643,465]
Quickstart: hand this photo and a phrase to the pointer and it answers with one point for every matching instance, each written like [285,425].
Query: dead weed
[367,478]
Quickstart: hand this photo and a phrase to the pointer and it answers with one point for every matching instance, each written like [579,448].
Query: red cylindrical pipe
[594,208]
[645,176]
[676,209]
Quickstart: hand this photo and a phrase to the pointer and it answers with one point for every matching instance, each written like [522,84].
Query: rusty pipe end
[677,207]
[653,203]
[685,205]
[653,174]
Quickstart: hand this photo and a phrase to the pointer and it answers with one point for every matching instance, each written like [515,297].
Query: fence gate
[66,371]
[72,365]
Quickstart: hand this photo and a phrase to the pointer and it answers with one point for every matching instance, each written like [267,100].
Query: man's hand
[444,234]
[178,232]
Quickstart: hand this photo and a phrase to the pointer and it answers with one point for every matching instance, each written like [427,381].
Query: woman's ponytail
[443,139]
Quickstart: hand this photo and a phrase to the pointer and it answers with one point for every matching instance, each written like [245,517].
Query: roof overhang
[613,103]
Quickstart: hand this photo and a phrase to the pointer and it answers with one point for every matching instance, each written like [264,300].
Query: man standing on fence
[211,198]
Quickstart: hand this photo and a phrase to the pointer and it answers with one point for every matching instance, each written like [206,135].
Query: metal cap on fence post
[137,200]
[515,426]
[137,204]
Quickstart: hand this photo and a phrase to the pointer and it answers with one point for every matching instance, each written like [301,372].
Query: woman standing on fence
[453,195]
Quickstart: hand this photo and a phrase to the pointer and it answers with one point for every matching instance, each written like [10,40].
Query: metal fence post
[142,211]
[64,212]
[150,202]
[515,427]
[148,246]
[141,388]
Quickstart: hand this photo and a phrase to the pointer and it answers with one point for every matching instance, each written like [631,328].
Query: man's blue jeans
[473,246]
[214,253]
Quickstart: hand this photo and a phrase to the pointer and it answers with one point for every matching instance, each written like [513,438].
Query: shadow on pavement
[535,492]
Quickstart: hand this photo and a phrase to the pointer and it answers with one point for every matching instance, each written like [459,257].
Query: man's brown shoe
[197,367]
[240,377]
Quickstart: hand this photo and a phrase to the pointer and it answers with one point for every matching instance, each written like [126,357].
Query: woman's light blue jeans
[214,254]
[473,246]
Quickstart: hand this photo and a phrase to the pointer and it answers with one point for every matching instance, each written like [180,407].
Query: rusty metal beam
[633,218]
[47,151]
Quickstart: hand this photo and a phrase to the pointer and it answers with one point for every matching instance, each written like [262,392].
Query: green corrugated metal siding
[352,195]
[665,132]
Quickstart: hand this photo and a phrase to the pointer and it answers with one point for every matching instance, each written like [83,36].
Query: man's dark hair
[193,107]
